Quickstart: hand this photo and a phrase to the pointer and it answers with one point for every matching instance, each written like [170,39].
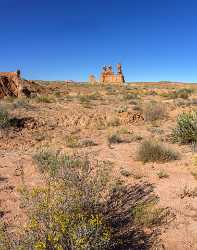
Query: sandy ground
[67,114]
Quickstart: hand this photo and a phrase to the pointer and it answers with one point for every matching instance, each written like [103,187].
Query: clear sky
[70,39]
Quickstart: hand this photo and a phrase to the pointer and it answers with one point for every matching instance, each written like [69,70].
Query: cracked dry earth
[66,113]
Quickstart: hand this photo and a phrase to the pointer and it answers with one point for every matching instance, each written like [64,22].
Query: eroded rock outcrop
[11,84]
[92,79]
[108,76]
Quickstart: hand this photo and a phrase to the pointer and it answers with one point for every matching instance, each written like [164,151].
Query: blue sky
[153,39]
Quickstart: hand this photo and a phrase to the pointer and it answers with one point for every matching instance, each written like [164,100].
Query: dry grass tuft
[4,117]
[154,111]
[150,151]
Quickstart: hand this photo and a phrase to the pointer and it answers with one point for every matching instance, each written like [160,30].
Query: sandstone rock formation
[108,76]
[11,84]
[92,79]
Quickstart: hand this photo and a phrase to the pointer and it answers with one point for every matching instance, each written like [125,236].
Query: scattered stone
[19,171]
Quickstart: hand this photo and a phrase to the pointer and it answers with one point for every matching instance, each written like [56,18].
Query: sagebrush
[186,128]
[154,111]
[75,209]
[152,151]
[4,117]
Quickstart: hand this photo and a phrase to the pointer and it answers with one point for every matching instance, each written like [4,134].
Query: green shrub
[122,109]
[5,242]
[47,161]
[69,98]
[182,103]
[84,99]
[10,99]
[95,96]
[130,96]
[44,99]
[134,102]
[147,92]
[181,93]
[114,138]
[111,90]
[184,93]
[125,173]
[123,130]
[150,151]
[162,174]
[154,111]
[65,214]
[4,117]
[186,129]
[87,143]
[72,141]
[21,103]
[147,214]
[74,210]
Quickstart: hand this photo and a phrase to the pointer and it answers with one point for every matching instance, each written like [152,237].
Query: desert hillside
[131,150]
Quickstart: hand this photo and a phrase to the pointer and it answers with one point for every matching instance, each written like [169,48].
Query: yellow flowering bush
[65,214]
[75,211]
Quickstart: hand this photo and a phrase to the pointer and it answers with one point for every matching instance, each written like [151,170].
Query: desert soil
[69,112]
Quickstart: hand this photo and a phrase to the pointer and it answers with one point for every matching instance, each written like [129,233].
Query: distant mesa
[108,76]
[69,81]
